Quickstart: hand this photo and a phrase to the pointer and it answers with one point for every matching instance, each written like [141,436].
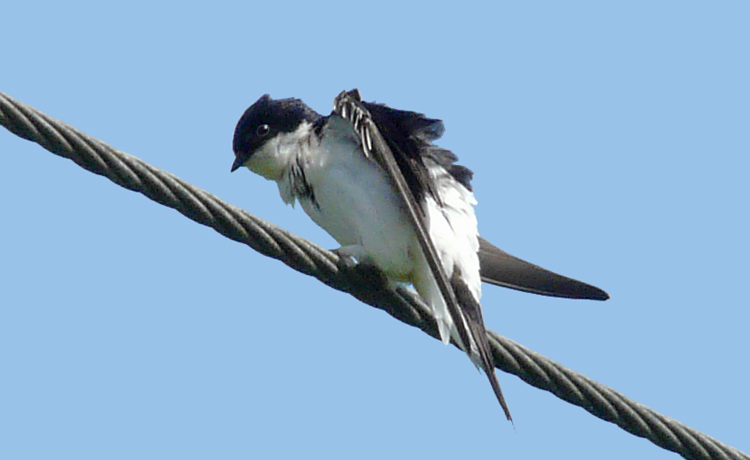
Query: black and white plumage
[372,178]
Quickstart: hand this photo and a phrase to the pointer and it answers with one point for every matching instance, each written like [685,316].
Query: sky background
[610,143]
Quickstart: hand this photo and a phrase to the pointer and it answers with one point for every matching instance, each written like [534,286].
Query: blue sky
[609,143]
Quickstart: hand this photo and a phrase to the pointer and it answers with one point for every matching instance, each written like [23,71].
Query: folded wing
[502,269]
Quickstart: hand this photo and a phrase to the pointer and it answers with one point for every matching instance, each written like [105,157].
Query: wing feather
[502,269]
[469,323]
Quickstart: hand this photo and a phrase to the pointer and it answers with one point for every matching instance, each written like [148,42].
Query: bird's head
[263,128]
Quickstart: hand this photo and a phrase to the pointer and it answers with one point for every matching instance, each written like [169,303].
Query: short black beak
[237,164]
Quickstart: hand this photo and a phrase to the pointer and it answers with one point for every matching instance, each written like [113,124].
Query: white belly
[355,204]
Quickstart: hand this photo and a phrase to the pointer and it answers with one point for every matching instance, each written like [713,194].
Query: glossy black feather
[502,269]
[473,315]
[410,135]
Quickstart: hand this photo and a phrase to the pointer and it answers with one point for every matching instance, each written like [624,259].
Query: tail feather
[463,323]
[498,392]
[479,350]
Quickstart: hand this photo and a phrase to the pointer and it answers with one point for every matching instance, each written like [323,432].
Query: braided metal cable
[365,284]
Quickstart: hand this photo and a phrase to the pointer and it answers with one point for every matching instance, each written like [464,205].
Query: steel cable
[363,283]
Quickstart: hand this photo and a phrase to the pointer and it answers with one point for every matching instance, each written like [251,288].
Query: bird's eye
[263,130]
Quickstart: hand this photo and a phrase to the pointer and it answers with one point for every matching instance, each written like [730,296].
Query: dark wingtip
[502,269]
[355,94]
[599,295]
[498,392]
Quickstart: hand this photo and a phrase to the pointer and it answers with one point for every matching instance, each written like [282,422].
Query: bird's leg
[351,256]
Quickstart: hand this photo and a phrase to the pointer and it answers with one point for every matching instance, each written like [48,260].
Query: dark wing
[399,163]
[502,269]
[410,135]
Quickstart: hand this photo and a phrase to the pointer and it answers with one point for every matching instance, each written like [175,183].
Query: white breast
[356,204]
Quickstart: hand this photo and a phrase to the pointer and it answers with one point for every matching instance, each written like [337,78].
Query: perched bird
[372,178]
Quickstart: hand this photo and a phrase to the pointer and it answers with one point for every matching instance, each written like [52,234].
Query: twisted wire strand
[366,284]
